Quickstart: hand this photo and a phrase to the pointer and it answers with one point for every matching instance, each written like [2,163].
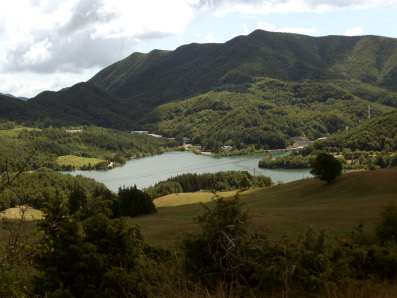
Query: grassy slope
[352,199]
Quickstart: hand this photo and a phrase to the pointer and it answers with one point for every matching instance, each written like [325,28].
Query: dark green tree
[386,227]
[134,202]
[217,253]
[244,182]
[326,167]
[106,259]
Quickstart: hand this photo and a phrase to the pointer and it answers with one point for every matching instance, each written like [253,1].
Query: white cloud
[297,30]
[246,30]
[224,7]
[266,26]
[354,31]
[29,85]
[209,38]
[70,35]
[37,53]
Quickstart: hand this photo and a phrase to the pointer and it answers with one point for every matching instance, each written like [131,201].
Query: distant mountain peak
[12,96]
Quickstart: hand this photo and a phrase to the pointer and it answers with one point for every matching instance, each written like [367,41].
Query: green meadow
[291,208]
[77,161]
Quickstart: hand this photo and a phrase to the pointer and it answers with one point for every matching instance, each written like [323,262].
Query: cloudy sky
[52,44]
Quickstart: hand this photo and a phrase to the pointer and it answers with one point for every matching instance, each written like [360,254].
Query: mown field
[77,161]
[292,208]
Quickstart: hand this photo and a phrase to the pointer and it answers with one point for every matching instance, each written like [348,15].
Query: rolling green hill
[351,199]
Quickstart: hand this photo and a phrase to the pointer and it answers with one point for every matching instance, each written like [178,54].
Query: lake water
[150,170]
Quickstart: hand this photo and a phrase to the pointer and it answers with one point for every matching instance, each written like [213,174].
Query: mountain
[258,89]
[10,95]
[82,103]
[194,69]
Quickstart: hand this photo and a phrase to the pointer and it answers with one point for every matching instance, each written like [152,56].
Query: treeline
[291,161]
[220,181]
[350,160]
[38,188]
[226,258]
[88,141]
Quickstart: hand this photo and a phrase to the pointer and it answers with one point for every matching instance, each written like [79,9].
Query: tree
[105,258]
[134,202]
[386,227]
[326,167]
[244,182]
[217,251]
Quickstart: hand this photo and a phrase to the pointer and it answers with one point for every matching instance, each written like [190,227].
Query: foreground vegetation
[353,198]
[225,256]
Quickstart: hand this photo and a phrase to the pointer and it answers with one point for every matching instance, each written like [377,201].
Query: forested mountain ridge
[197,68]
[81,104]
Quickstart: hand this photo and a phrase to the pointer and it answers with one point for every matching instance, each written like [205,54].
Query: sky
[52,44]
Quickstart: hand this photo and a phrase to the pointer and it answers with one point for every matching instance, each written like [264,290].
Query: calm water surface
[150,170]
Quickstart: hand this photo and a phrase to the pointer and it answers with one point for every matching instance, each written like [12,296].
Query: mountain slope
[374,134]
[194,69]
[266,114]
[82,103]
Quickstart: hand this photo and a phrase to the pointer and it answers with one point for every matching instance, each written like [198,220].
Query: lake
[150,170]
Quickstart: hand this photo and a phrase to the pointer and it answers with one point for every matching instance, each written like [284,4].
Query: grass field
[179,199]
[77,161]
[351,199]
[15,213]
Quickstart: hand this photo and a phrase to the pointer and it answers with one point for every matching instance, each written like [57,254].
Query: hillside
[82,104]
[374,134]
[351,199]
[266,114]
